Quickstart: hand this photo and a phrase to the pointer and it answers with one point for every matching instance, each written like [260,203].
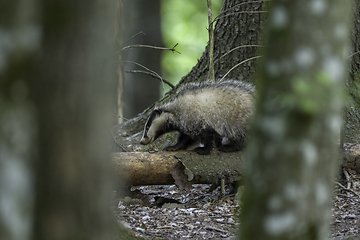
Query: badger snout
[145,140]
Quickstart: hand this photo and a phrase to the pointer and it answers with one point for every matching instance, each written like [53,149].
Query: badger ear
[154,114]
[157,111]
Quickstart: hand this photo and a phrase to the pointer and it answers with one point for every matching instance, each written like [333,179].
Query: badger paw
[229,148]
[202,150]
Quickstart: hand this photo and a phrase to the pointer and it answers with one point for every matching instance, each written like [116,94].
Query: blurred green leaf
[184,22]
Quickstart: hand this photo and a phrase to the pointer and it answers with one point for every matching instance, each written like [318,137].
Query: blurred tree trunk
[140,90]
[74,96]
[296,134]
[19,43]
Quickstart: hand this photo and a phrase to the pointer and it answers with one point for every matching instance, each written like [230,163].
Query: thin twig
[230,14]
[138,64]
[215,229]
[151,74]
[222,187]
[242,46]
[239,65]
[148,46]
[237,5]
[354,98]
[353,54]
[141,32]
[211,74]
[347,189]
[120,145]
[115,115]
[347,176]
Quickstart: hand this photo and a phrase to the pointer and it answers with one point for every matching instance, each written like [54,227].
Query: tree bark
[294,150]
[352,107]
[74,96]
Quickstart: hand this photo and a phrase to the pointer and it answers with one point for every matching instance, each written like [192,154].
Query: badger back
[225,107]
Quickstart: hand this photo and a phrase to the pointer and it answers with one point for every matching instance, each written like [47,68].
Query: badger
[205,114]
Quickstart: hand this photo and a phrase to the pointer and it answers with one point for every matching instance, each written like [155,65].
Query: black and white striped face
[156,125]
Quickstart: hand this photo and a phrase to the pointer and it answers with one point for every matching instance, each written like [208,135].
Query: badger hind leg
[184,141]
[208,139]
[233,146]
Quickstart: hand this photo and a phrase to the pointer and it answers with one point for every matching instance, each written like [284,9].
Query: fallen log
[143,168]
[183,167]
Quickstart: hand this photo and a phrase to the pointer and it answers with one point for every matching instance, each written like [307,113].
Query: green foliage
[184,22]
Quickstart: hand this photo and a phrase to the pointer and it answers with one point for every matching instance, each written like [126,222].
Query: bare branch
[148,46]
[141,32]
[347,189]
[120,145]
[353,54]
[138,64]
[115,115]
[239,65]
[151,74]
[242,46]
[348,179]
[230,14]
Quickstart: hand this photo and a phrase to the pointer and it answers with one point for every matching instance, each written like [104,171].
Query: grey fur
[205,113]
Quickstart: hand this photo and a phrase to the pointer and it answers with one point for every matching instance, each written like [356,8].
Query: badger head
[158,124]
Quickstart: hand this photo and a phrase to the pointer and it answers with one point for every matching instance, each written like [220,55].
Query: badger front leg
[184,141]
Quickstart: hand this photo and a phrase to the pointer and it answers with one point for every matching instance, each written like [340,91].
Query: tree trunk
[240,26]
[74,96]
[139,89]
[19,43]
[352,110]
[296,134]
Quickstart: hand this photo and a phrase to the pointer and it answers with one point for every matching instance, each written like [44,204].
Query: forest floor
[165,212]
